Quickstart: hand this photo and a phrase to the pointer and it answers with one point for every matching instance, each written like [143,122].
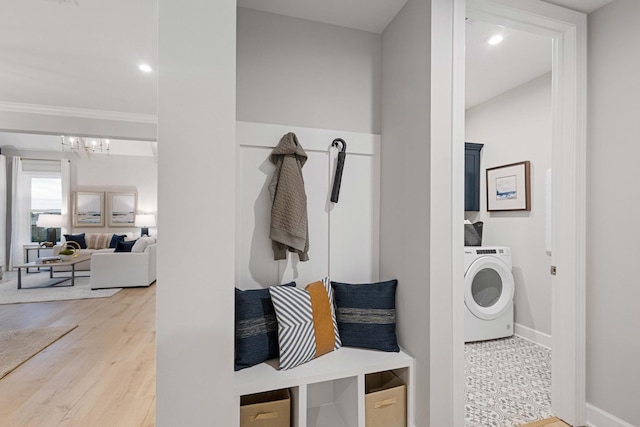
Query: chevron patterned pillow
[307,325]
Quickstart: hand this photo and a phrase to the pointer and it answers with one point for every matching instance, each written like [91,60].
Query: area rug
[19,345]
[10,294]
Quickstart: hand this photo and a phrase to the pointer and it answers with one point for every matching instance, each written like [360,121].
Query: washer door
[488,288]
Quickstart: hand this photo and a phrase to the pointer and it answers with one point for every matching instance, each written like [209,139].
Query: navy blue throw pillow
[366,314]
[115,239]
[124,246]
[78,238]
[256,327]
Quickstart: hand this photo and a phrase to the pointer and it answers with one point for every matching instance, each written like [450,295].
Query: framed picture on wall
[88,209]
[121,209]
[509,187]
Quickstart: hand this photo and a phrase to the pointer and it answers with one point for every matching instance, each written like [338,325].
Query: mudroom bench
[329,390]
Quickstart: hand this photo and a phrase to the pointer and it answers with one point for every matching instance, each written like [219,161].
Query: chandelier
[84,144]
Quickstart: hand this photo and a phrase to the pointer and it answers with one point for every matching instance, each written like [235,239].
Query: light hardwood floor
[100,374]
[549,422]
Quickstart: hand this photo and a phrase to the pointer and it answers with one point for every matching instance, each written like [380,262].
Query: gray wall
[405,171]
[293,71]
[613,290]
[514,127]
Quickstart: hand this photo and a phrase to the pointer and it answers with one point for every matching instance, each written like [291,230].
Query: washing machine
[488,293]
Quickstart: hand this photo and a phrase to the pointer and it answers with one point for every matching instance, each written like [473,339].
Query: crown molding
[84,113]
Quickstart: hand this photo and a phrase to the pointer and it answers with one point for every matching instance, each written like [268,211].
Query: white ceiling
[495,69]
[492,70]
[79,53]
[85,53]
[366,15]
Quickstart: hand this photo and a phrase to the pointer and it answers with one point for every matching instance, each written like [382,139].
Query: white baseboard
[532,335]
[596,417]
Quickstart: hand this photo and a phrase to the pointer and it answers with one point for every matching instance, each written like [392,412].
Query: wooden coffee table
[53,281]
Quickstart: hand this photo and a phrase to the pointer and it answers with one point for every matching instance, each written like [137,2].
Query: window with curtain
[44,183]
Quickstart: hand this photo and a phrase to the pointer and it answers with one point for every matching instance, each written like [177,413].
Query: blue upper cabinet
[472,176]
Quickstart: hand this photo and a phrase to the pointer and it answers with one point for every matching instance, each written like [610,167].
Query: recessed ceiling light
[145,67]
[496,39]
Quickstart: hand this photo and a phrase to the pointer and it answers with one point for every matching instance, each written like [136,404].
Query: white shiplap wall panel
[343,237]
[354,221]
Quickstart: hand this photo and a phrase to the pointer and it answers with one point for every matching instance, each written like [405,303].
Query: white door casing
[568,30]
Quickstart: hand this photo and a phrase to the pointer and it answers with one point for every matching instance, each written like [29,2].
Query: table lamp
[51,222]
[144,221]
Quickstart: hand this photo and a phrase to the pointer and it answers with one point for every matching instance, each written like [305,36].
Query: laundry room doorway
[567,32]
[507,286]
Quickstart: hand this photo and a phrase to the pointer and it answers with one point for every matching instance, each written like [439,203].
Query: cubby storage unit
[328,391]
[333,403]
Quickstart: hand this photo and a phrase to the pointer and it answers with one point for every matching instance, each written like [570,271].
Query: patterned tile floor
[508,383]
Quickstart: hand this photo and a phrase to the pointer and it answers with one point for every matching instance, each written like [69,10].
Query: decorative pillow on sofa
[78,238]
[98,240]
[115,239]
[124,246]
[366,314]
[256,327]
[142,243]
[306,322]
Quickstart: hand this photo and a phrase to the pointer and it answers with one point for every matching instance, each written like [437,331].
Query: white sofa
[124,269]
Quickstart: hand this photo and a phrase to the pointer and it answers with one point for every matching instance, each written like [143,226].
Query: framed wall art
[509,187]
[121,209]
[88,209]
